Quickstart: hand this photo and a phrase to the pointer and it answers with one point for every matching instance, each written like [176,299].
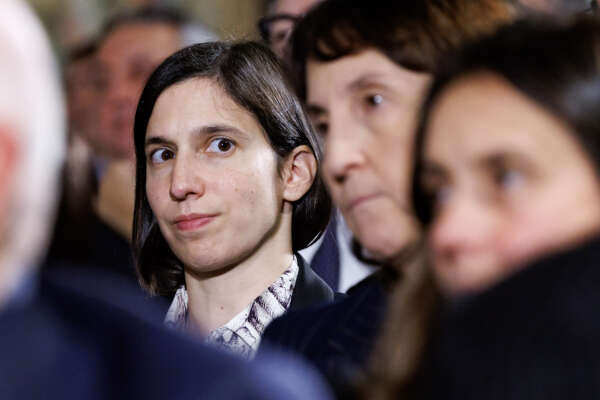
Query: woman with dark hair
[363,68]
[227,191]
[507,185]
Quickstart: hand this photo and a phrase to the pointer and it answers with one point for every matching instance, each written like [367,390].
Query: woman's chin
[388,249]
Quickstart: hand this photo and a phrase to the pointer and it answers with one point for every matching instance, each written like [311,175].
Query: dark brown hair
[557,66]
[413,34]
[252,76]
[554,63]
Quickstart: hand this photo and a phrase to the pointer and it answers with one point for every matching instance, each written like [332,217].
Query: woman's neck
[213,301]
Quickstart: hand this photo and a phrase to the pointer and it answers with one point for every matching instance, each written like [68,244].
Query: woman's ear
[300,169]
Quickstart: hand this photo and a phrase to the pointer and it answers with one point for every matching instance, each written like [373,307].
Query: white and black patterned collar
[241,335]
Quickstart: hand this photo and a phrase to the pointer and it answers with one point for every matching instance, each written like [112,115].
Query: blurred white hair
[31,104]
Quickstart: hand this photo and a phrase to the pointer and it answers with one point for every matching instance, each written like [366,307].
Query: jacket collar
[310,289]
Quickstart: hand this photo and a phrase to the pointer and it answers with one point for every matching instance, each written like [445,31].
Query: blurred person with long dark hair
[363,68]
[507,186]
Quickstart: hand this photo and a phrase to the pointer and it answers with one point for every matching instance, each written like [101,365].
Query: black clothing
[80,237]
[310,290]
[534,336]
[326,261]
[336,338]
[89,242]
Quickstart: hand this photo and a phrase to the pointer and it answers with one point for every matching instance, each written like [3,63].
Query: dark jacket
[91,337]
[534,336]
[336,338]
[310,290]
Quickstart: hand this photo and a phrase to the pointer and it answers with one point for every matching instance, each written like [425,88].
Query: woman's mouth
[191,222]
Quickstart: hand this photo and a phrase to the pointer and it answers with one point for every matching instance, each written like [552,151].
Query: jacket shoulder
[310,289]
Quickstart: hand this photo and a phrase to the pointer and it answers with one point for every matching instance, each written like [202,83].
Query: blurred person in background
[363,68]
[81,86]
[227,192]
[69,239]
[86,336]
[132,45]
[282,15]
[97,230]
[507,183]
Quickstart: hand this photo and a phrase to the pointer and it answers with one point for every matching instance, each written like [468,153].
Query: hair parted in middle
[250,74]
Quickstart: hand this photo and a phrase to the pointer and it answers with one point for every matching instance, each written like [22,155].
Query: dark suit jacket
[91,337]
[310,289]
[535,336]
[337,338]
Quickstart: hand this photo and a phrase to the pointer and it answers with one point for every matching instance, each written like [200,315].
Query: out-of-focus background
[70,22]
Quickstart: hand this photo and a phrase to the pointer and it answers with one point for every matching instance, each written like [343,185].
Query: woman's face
[212,179]
[366,108]
[509,182]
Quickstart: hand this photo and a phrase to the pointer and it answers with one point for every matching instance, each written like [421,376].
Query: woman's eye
[159,156]
[374,100]
[220,145]
[439,196]
[508,178]
[321,127]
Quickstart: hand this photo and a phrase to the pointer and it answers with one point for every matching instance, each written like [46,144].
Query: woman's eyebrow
[218,128]
[203,130]
[315,110]
[157,140]
[366,81]
[510,157]
[431,168]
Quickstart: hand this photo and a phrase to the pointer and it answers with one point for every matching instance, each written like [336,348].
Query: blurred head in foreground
[363,68]
[32,142]
[509,153]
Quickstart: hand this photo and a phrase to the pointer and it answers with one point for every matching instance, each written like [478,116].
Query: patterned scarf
[241,335]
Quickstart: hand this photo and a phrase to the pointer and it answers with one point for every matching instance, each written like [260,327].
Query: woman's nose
[185,180]
[461,226]
[342,151]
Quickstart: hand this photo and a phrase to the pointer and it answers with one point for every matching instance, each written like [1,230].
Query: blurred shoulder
[92,325]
